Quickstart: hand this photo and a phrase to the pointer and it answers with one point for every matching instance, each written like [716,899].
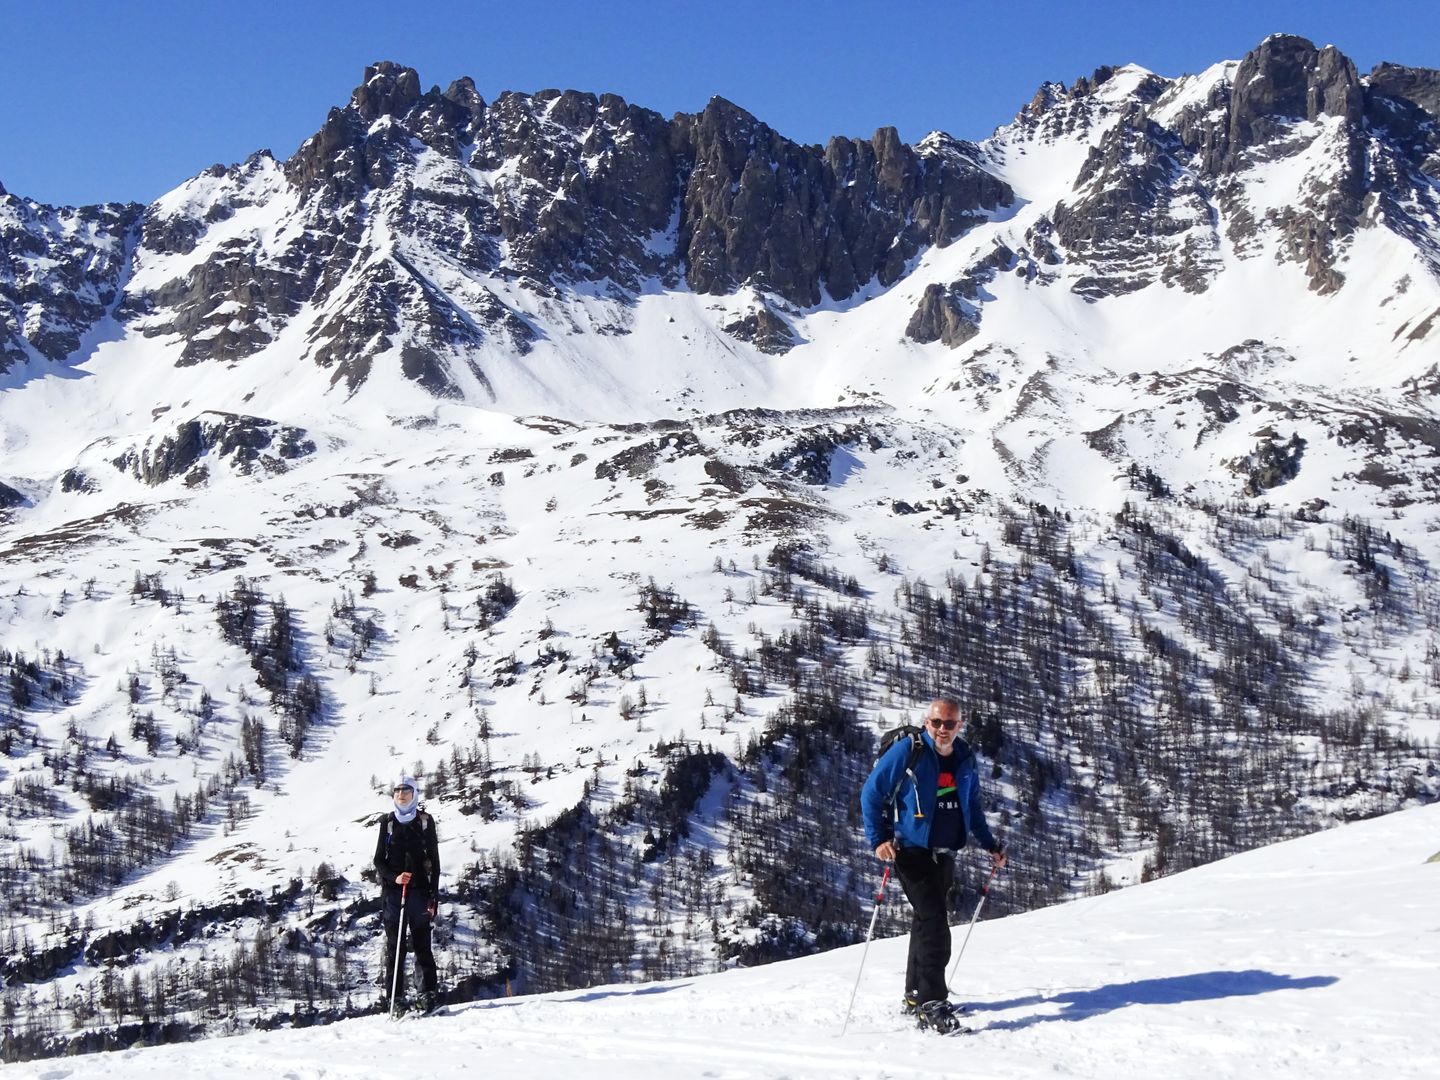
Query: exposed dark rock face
[943,316]
[1402,106]
[60,271]
[1271,464]
[1134,200]
[595,180]
[394,305]
[764,329]
[75,480]
[807,455]
[637,460]
[232,303]
[1140,212]
[1404,103]
[10,498]
[1282,80]
[1041,247]
[950,314]
[1222,401]
[763,210]
[1418,86]
[753,207]
[235,300]
[247,441]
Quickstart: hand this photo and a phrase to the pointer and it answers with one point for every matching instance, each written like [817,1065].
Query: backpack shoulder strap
[917,745]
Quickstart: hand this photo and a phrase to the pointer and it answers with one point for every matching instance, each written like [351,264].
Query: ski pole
[985,892]
[879,899]
[399,952]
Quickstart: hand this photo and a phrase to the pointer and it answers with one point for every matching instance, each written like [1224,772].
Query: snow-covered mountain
[622,476]
[1310,959]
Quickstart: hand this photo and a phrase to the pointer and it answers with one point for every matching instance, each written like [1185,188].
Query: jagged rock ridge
[418,228]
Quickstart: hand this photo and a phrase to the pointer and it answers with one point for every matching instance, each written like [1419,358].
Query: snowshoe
[940,1017]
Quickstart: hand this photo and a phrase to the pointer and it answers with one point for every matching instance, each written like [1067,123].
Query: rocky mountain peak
[1099,78]
[1405,103]
[389,89]
[723,116]
[1418,86]
[1287,78]
[463,93]
[1169,180]
[350,153]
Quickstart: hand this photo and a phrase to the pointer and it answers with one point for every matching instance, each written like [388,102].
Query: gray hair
[949,700]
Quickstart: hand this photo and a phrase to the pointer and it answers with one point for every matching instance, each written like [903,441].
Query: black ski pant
[417,937]
[926,877]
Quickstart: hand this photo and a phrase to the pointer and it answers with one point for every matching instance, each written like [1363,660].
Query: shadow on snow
[1174,990]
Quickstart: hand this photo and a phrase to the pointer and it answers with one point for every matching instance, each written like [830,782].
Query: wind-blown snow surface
[1313,958]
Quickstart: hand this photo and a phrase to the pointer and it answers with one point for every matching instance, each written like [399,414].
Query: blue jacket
[915,804]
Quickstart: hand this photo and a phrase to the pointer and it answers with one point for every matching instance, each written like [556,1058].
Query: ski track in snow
[1310,959]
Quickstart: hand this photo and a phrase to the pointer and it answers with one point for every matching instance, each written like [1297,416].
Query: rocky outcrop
[10,498]
[1133,200]
[594,181]
[1269,465]
[950,314]
[61,269]
[393,308]
[1284,79]
[246,442]
[1403,106]
[764,329]
[762,210]
[240,291]
[1404,102]
[1417,86]
[943,315]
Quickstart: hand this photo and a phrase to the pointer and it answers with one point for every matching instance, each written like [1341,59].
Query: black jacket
[409,846]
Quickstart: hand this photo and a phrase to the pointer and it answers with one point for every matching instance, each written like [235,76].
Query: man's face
[403,795]
[943,723]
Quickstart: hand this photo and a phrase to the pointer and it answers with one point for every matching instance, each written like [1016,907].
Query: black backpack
[917,746]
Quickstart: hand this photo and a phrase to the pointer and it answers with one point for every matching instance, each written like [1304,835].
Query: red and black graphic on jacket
[948,828]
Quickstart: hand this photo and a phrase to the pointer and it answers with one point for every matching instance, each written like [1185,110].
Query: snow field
[1313,960]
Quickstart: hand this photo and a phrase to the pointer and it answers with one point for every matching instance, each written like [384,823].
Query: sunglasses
[942,725]
[404,791]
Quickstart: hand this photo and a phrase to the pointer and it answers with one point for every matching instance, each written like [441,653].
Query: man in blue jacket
[919,816]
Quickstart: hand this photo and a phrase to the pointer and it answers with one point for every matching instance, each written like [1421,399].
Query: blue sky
[124,100]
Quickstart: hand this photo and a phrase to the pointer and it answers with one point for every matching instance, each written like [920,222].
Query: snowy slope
[1309,959]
